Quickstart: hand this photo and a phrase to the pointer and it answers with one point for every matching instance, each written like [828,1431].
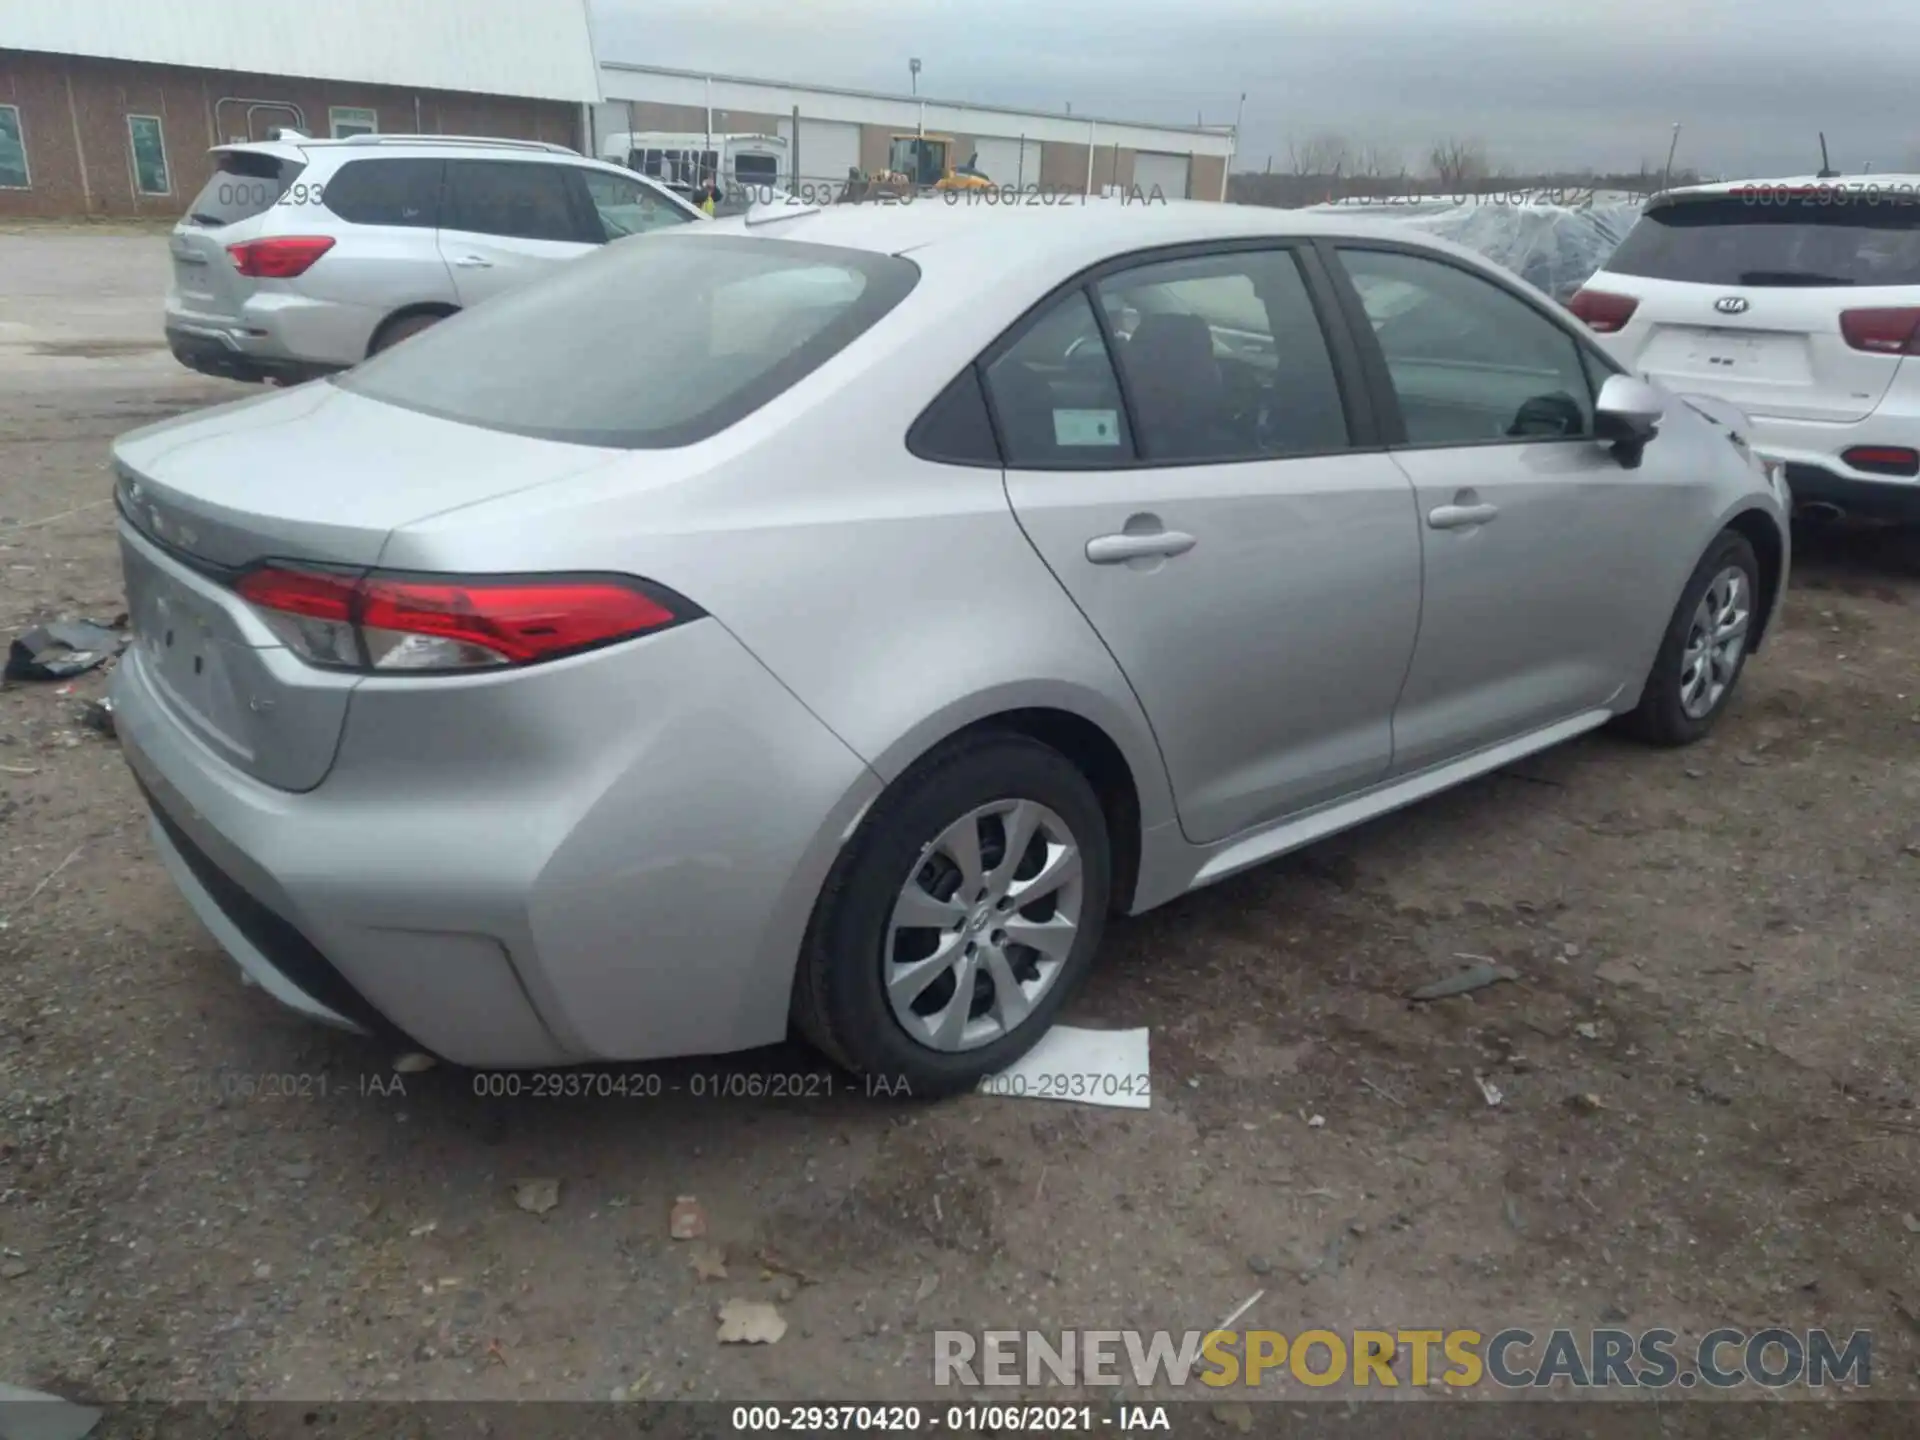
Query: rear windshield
[1758,241]
[245,184]
[657,340]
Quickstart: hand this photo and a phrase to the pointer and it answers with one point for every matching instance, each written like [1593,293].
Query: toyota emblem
[1731,304]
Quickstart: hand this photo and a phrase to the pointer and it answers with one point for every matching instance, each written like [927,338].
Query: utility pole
[1666,179]
[913,74]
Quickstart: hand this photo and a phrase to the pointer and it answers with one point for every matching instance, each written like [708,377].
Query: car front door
[1538,553]
[505,222]
[1181,452]
[624,206]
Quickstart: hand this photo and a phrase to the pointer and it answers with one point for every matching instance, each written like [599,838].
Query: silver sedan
[828,618]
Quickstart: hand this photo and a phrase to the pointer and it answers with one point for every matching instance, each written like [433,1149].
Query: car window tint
[245,183]
[386,192]
[626,207]
[1224,359]
[1469,361]
[525,200]
[1055,394]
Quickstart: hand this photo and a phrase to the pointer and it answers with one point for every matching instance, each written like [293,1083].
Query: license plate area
[191,655]
[1761,356]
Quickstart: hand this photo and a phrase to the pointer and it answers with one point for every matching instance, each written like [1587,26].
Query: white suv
[1799,302]
[301,257]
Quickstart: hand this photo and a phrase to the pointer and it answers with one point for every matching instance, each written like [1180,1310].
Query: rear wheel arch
[1762,532]
[383,332]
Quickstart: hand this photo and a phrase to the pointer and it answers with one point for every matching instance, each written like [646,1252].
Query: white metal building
[841,129]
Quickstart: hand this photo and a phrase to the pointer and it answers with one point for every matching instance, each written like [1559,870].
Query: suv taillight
[1882,332]
[344,620]
[280,258]
[1602,310]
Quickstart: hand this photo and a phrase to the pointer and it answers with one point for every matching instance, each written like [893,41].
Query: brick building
[109,108]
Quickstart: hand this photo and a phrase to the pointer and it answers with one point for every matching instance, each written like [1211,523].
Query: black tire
[394,331]
[840,1003]
[1661,718]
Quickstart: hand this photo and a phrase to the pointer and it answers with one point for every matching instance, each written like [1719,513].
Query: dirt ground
[1716,944]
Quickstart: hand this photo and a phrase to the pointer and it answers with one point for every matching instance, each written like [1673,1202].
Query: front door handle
[1459,517]
[473,262]
[1117,549]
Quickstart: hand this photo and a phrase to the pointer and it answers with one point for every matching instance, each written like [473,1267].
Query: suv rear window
[246,183]
[662,340]
[1741,240]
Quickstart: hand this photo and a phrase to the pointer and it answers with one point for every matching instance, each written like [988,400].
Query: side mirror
[1626,415]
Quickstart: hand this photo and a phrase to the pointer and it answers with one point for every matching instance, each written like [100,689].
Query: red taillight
[1602,310]
[1883,459]
[1882,332]
[405,622]
[280,258]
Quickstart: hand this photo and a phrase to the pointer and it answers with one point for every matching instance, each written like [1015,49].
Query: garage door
[1167,172]
[828,149]
[1001,160]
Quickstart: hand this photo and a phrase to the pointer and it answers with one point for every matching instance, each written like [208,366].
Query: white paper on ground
[1090,1067]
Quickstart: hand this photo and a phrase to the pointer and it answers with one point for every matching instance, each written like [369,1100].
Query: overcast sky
[1539,82]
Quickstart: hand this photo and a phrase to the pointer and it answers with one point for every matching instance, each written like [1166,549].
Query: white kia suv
[1798,301]
[301,257]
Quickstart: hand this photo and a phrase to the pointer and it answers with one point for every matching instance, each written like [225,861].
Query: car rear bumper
[1811,450]
[274,334]
[523,870]
[220,354]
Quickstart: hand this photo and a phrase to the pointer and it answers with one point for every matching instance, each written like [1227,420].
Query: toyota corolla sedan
[826,619]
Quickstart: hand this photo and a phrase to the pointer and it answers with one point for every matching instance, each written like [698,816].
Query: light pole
[913,75]
[1666,180]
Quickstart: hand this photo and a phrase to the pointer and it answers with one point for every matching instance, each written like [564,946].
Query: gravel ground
[1707,1062]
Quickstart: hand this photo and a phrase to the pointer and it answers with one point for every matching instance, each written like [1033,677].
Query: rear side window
[644,346]
[246,183]
[523,200]
[1056,397]
[387,192]
[1224,359]
[1739,240]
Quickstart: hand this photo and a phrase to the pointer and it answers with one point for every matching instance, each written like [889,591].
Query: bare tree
[1456,162]
[1373,162]
[1324,153]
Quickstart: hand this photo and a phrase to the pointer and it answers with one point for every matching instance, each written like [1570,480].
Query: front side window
[520,199]
[349,120]
[403,192]
[642,346]
[1470,363]
[626,207]
[149,152]
[1056,396]
[13,151]
[1224,359]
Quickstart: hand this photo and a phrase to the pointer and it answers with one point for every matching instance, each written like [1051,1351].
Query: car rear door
[1542,567]
[507,221]
[1742,296]
[1218,508]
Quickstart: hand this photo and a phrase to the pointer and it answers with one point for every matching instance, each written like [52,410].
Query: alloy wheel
[1716,642]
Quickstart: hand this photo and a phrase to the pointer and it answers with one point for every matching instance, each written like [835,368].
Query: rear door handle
[473,262]
[1459,517]
[1116,549]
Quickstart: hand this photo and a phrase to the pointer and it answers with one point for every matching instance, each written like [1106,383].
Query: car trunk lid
[315,475]
[1742,299]
[246,184]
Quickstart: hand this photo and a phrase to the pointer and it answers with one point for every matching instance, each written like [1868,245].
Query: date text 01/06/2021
[950,1419]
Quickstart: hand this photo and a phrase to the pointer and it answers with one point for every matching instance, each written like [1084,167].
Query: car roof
[1868,184]
[1061,236]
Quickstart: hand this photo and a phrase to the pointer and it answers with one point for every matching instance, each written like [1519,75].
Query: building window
[346,120]
[13,151]
[149,148]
